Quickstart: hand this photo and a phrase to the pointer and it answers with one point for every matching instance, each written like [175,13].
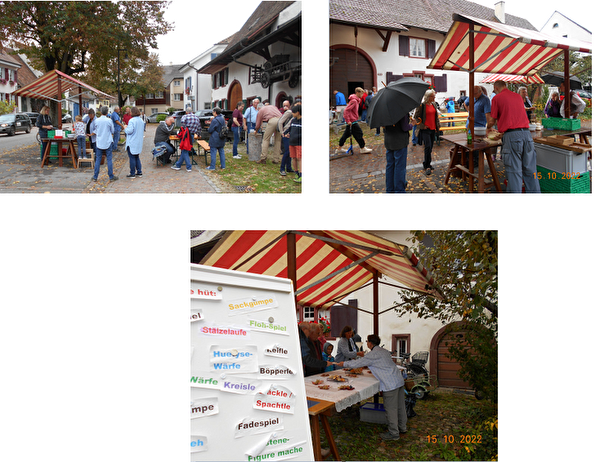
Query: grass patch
[448,426]
[243,175]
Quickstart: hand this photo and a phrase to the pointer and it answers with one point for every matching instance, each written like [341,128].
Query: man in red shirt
[518,152]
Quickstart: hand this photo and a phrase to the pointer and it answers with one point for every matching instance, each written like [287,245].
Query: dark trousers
[428,137]
[354,130]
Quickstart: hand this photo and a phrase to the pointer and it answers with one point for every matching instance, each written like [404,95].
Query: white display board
[248,400]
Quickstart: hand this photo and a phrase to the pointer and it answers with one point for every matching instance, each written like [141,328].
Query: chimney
[500,12]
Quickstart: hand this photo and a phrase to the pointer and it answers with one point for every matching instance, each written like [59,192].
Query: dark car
[177,116]
[206,116]
[33,117]
[13,123]
[67,119]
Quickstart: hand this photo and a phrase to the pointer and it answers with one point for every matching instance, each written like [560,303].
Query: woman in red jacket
[426,116]
[352,127]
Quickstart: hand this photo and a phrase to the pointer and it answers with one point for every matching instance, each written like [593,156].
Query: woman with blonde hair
[428,123]
[44,123]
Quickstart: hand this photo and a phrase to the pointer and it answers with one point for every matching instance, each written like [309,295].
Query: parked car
[584,94]
[13,123]
[67,119]
[152,117]
[33,117]
[177,116]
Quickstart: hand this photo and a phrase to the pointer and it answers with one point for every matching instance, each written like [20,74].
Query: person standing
[250,119]
[352,127]
[552,108]
[396,145]
[346,348]
[87,120]
[391,383]
[522,91]
[185,145]
[428,122]
[481,107]
[236,126]
[518,152]
[294,133]
[103,128]
[283,125]
[117,127]
[79,128]
[44,123]
[269,114]
[312,360]
[134,142]
[127,116]
[340,105]
[215,142]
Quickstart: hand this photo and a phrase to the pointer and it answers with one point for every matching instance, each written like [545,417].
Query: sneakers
[188,170]
[138,174]
[130,176]
[237,157]
[298,179]
[365,150]
[282,173]
[174,167]
[389,437]
[114,178]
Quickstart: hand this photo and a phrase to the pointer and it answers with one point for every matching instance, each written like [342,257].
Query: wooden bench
[204,145]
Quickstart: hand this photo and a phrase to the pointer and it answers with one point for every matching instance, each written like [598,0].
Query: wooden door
[235,95]
[447,368]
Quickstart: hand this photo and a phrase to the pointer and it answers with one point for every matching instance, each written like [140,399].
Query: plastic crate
[373,413]
[53,151]
[559,182]
[560,160]
[561,124]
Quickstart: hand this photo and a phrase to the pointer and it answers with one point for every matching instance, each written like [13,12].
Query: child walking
[79,128]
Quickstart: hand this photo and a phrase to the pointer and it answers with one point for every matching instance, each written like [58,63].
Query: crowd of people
[317,358]
[103,132]
[511,115]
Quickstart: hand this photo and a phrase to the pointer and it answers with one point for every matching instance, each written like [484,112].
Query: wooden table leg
[329,435]
[60,156]
[490,161]
[471,170]
[46,153]
[481,171]
[73,153]
[452,163]
[316,438]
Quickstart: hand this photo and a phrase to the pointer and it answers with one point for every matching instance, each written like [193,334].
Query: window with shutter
[403,45]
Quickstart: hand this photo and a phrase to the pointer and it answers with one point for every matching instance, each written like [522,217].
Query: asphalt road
[19,140]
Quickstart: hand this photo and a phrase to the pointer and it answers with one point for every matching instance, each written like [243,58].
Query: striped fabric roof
[500,48]
[523,79]
[46,87]
[318,255]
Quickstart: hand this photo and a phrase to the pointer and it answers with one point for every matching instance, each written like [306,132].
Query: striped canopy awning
[329,264]
[47,87]
[521,79]
[500,48]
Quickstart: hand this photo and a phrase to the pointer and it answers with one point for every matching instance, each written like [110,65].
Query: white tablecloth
[365,386]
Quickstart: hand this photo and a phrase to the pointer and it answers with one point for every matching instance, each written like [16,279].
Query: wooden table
[59,141]
[458,157]
[318,409]
[365,386]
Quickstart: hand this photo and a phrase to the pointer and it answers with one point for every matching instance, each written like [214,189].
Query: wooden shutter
[430,48]
[440,83]
[404,46]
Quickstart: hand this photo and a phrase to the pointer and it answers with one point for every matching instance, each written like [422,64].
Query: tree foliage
[465,271]
[74,37]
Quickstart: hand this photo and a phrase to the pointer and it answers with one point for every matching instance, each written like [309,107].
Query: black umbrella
[557,77]
[396,100]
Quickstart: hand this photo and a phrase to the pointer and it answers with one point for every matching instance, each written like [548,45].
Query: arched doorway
[235,94]
[440,364]
[351,68]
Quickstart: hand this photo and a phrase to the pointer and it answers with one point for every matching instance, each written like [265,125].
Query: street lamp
[119,72]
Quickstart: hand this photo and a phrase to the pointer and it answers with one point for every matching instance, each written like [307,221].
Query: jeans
[395,410]
[286,160]
[99,153]
[250,126]
[414,135]
[519,157]
[185,157]
[236,138]
[213,157]
[395,171]
[170,150]
[428,137]
[116,137]
[81,146]
[135,164]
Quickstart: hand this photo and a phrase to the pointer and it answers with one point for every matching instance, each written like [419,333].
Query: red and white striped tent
[53,84]
[325,266]
[520,79]
[478,45]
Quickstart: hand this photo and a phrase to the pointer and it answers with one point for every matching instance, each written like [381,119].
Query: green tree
[78,37]
[465,271]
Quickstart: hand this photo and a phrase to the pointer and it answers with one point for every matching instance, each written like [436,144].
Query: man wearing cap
[518,152]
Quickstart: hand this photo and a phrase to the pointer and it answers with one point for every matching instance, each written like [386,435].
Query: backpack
[223,132]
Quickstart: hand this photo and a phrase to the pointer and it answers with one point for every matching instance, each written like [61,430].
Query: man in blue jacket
[103,128]
[340,104]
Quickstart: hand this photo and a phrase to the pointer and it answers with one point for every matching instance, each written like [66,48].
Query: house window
[177,83]
[177,96]
[309,313]
[160,94]
[417,48]
[401,343]
[154,110]
[149,96]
